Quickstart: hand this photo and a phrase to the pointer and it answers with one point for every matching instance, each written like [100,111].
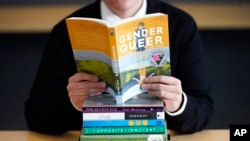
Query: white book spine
[123,116]
[103,116]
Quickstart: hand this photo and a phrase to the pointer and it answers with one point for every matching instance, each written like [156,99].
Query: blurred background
[35,2]
[224,27]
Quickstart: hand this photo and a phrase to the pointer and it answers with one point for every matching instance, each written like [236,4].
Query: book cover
[134,137]
[124,54]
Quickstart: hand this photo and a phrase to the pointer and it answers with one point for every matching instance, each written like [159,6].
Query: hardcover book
[120,108]
[134,137]
[104,107]
[119,123]
[124,130]
[123,116]
[124,54]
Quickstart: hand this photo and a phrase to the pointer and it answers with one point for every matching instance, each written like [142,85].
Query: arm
[48,108]
[188,72]
[189,66]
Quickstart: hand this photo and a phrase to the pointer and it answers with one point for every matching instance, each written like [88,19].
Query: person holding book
[59,90]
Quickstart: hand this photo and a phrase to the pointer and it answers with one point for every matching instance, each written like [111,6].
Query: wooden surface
[42,18]
[206,135]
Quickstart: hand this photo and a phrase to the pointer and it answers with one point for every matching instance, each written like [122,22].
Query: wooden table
[206,135]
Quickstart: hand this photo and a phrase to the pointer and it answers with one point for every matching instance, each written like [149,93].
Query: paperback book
[122,55]
[107,103]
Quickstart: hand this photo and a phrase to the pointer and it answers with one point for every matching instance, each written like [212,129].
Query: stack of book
[122,56]
[141,118]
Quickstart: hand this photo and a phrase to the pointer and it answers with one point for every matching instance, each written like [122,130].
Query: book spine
[123,116]
[124,130]
[112,123]
[141,137]
[121,109]
[115,58]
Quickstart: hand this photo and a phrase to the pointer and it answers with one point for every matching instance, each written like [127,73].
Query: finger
[83,77]
[162,87]
[163,79]
[163,95]
[85,92]
[153,87]
[86,85]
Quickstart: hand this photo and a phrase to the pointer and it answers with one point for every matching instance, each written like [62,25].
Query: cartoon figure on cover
[140,38]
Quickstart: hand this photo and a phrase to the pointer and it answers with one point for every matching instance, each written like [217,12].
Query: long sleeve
[189,65]
[48,108]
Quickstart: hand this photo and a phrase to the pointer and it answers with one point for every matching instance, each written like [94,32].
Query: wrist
[73,104]
[181,108]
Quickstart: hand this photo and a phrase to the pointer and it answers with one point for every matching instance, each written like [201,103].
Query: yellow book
[124,54]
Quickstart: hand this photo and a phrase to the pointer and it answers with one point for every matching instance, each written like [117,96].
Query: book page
[90,43]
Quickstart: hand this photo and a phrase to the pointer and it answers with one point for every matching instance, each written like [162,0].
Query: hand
[82,85]
[167,88]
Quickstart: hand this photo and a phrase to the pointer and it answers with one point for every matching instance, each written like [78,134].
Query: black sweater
[49,110]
